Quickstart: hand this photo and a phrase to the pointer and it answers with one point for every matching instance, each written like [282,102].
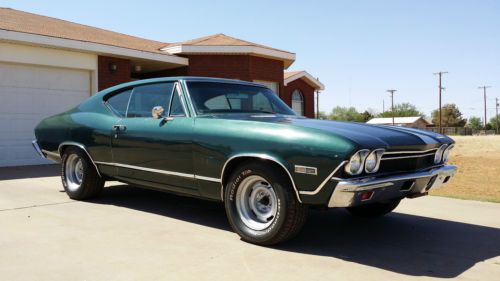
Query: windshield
[216,98]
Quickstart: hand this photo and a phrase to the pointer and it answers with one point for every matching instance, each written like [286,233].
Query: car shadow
[401,243]
[33,171]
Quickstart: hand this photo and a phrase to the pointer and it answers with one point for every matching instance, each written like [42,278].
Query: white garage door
[27,95]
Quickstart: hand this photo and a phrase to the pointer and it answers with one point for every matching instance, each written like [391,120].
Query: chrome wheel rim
[256,203]
[73,172]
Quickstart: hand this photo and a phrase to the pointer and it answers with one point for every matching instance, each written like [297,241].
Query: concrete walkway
[134,234]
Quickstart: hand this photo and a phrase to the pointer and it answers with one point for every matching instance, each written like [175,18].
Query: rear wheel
[374,210]
[261,206]
[79,176]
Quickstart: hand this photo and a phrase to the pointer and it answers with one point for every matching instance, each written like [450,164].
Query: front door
[155,151]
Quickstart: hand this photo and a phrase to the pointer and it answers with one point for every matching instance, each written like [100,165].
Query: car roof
[177,78]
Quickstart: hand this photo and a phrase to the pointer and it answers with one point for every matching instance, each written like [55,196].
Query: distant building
[417,122]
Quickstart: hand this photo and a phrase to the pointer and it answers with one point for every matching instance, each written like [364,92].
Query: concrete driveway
[134,234]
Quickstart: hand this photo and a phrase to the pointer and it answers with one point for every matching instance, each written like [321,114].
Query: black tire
[290,214]
[83,187]
[374,210]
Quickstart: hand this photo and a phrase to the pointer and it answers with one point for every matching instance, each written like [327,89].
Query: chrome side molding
[318,189]
[82,147]
[158,171]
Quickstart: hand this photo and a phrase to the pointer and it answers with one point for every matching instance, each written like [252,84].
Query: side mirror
[157,112]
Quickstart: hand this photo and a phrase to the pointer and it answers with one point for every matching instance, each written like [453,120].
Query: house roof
[304,75]
[20,26]
[224,44]
[19,21]
[397,120]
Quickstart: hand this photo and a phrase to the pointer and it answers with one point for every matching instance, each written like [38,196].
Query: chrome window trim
[177,88]
[185,89]
[261,156]
[320,187]
[81,146]
[158,171]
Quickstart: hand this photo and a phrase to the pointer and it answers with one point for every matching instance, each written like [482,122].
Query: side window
[261,103]
[144,98]
[118,103]
[176,108]
[217,103]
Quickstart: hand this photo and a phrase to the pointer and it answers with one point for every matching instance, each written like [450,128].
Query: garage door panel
[38,77]
[27,95]
[40,101]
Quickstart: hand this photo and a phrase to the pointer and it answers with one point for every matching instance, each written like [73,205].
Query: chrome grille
[402,161]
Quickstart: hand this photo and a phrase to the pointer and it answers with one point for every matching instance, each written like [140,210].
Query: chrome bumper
[348,192]
[37,148]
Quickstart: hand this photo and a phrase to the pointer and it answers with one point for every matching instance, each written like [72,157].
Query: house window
[298,102]
[271,85]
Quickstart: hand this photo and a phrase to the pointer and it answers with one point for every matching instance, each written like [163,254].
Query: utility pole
[496,109]
[484,94]
[383,106]
[392,103]
[440,73]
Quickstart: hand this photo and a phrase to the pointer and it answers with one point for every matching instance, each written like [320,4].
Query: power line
[484,94]
[392,103]
[440,73]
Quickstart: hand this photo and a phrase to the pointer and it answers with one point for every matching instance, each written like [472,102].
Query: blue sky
[358,49]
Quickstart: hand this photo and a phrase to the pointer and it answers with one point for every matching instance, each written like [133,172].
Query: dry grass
[478,161]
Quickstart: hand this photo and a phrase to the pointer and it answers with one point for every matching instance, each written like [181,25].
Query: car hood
[364,135]
[375,135]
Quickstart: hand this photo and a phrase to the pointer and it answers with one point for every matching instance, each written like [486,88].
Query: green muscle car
[239,143]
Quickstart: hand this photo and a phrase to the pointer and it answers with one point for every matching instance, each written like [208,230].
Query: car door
[155,151]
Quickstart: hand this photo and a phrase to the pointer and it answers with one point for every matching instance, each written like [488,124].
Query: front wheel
[374,210]
[79,176]
[261,205]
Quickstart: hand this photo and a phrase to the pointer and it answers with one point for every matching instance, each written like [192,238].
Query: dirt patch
[478,177]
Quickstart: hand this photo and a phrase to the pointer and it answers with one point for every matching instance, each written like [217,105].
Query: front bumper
[354,192]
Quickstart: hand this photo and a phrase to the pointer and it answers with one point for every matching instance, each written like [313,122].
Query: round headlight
[372,161]
[446,153]
[439,154]
[355,165]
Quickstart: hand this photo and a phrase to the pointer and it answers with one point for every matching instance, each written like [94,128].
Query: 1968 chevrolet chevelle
[237,142]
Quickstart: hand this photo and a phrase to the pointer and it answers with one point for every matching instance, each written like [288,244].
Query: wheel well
[64,146]
[236,162]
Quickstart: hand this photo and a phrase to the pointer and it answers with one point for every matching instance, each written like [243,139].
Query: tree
[322,115]
[402,110]
[366,115]
[474,123]
[452,117]
[493,122]
[350,114]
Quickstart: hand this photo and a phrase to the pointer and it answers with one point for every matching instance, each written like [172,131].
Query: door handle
[119,127]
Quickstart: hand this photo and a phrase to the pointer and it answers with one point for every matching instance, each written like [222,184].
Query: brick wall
[307,92]
[242,67]
[106,77]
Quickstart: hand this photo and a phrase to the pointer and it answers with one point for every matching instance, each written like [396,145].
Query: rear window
[119,102]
